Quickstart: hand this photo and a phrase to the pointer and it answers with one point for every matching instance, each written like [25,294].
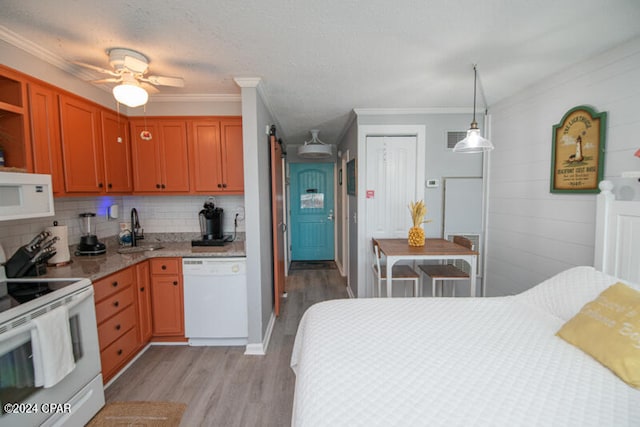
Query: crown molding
[247,81]
[406,111]
[195,97]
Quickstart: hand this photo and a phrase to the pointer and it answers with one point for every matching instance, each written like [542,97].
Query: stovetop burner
[23,292]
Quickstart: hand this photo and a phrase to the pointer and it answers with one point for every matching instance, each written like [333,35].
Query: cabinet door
[174,155]
[232,156]
[145,324]
[205,156]
[147,175]
[117,153]
[45,134]
[81,146]
[167,305]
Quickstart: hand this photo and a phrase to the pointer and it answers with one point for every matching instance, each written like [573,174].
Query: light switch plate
[433,183]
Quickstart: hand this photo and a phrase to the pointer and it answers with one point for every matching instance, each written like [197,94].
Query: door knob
[330,217]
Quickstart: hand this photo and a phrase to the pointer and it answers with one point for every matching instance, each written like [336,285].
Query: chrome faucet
[135,225]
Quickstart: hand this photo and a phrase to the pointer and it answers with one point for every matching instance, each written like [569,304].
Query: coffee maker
[211,226]
[89,244]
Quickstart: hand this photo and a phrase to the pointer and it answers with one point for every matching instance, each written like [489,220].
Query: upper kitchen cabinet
[15,140]
[216,156]
[117,153]
[45,134]
[160,155]
[81,146]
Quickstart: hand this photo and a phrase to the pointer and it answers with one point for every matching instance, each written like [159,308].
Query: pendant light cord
[475,79]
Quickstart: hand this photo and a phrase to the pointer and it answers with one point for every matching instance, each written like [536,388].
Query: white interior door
[391,170]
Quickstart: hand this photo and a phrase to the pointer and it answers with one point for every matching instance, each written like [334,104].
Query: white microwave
[25,195]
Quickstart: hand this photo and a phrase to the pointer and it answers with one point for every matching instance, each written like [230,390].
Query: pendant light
[129,92]
[473,142]
[315,149]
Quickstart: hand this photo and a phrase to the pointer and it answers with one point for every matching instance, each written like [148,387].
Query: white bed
[461,362]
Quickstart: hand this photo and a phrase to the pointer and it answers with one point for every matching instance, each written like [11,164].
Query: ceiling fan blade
[95,68]
[109,80]
[165,81]
[149,88]
[134,64]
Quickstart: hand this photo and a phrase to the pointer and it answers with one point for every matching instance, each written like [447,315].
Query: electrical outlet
[238,213]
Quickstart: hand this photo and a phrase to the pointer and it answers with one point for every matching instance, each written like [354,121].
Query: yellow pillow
[608,329]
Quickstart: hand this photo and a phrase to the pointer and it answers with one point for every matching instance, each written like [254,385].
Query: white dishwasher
[215,301]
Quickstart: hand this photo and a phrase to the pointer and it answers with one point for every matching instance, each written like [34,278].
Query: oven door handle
[26,327]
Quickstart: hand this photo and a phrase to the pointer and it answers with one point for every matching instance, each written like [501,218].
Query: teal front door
[312,218]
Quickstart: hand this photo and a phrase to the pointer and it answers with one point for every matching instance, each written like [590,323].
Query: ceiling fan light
[130,94]
[315,149]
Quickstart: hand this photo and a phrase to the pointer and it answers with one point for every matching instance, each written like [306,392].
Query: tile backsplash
[158,214]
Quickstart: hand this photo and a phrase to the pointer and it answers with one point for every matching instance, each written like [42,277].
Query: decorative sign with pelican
[577,158]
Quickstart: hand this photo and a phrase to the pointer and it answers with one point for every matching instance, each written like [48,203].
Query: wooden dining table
[434,249]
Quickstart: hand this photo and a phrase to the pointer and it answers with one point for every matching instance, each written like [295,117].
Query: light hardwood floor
[222,386]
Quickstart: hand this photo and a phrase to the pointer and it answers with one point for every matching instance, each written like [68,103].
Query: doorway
[312,214]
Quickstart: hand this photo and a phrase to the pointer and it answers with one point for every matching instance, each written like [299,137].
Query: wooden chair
[447,272]
[399,272]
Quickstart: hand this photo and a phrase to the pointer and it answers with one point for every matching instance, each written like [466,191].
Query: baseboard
[261,349]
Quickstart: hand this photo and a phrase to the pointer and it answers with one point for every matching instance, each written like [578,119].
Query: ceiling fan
[129,69]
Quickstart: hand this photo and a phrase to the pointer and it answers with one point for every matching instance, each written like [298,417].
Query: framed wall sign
[577,156]
[351,177]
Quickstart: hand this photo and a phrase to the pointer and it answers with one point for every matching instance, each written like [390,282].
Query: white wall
[533,234]
[255,118]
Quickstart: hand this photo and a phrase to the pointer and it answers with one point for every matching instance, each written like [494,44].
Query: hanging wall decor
[577,156]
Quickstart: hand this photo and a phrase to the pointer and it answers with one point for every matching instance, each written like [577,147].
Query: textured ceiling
[320,59]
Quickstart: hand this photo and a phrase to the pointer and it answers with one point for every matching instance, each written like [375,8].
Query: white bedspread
[453,362]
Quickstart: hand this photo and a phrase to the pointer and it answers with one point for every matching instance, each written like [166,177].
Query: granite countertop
[97,267]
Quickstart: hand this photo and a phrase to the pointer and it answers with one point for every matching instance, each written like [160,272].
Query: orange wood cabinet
[145,321]
[81,145]
[216,156]
[116,315]
[167,297]
[15,139]
[117,152]
[160,155]
[44,118]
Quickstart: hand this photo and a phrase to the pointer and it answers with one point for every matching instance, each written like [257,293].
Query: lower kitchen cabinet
[167,298]
[116,316]
[145,321]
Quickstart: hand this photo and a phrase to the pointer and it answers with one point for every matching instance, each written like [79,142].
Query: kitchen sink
[141,248]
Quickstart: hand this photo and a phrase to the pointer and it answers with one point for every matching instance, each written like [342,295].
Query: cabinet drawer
[165,266]
[117,353]
[114,304]
[116,326]
[112,284]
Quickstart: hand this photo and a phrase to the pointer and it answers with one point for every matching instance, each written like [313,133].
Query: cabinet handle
[115,284]
[157,185]
[119,352]
[163,186]
[175,283]
[142,289]
[219,185]
[224,185]
[164,267]
[116,303]
[110,186]
[118,327]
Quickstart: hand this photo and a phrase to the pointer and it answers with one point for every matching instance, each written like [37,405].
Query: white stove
[79,395]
